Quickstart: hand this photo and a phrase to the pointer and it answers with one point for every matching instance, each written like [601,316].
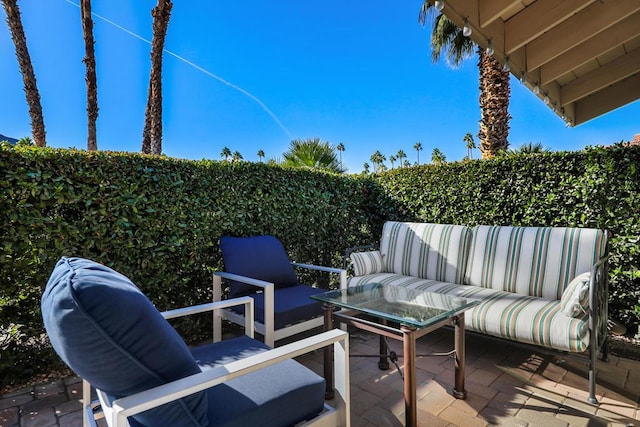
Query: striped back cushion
[533,261]
[428,251]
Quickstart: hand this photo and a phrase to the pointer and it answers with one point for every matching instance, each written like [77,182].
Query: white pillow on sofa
[575,298]
[367,263]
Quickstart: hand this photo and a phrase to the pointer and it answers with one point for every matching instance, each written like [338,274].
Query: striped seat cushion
[525,319]
[427,251]
[533,261]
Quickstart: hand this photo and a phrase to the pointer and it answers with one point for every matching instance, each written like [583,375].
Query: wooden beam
[586,24]
[539,17]
[593,81]
[619,94]
[490,10]
[610,38]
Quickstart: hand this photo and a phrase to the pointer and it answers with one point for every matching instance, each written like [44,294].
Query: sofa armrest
[599,302]
[140,402]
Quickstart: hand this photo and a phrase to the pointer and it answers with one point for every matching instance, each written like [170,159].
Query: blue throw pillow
[109,333]
[258,257]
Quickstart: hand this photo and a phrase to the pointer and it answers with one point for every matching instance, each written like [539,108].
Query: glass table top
[412,307]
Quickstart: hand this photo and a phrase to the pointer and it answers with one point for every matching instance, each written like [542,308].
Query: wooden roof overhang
[581,57]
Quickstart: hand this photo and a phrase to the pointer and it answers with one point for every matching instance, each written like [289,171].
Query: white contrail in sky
[197,67]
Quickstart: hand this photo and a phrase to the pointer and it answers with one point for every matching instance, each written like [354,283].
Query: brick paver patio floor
[507,385]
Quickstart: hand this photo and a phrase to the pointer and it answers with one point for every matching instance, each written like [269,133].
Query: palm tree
[471,144]
[152,132]
[437,157]
[90,76]
[400,155]
[365,167]
[260,155]
[226,153]
[378,160]
[418,147]
[313,154]
[392,159]
[406,164]
[340,148]
[236,157]
[530,148]
[14,21]
[495,89]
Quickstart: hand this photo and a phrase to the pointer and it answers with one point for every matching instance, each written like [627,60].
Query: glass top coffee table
[399,313]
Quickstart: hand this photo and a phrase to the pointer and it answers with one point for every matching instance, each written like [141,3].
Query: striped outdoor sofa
[544,286]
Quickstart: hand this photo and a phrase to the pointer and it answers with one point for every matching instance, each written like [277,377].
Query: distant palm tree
[260,155]
[406,164]
[340,148]
[530,148]
[378,160]
[437,157]
[392,159]
[226,153]
[25,141]
[418,147]
[236,156]
[495,89]
[14,21]
[152,132]
[314,154]
[365,167]
[90,76]
[400,155]
[471,144]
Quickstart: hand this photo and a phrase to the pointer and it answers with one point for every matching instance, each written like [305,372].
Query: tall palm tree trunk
[152,131]
[90,77]
[495,91]
[26,69]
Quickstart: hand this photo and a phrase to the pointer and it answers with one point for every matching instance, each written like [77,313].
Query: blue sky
[357,72]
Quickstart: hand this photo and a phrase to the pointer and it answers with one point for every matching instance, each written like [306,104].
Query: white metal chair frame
[116,414]
[267,329]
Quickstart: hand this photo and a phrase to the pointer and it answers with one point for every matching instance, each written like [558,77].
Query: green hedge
[597,187]
[158,220]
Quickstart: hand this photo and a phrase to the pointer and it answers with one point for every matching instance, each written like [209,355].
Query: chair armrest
[243,279]
[185,311]
[342,272]
[140,402]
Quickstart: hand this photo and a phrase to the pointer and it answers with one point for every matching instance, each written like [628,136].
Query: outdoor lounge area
[507,384]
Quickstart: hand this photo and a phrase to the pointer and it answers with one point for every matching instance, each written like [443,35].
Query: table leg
[383,362]
[328,352]
[409,348]
[458,391]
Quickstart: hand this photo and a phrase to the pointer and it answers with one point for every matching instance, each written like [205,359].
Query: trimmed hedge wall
[158,220]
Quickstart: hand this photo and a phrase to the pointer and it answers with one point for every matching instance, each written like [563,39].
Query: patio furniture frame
[117,412]
[267,329]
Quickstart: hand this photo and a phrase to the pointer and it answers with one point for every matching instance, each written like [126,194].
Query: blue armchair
[259,267]
[111,335]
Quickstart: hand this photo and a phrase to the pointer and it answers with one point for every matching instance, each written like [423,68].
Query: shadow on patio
[507,385]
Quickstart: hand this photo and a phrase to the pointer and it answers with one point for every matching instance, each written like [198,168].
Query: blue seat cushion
[283,394]
[291,305]
[107,331]
[258,257]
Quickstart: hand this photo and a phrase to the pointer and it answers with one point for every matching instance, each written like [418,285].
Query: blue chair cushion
[258,257]
[109,333]
[291,305]
[283,394]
